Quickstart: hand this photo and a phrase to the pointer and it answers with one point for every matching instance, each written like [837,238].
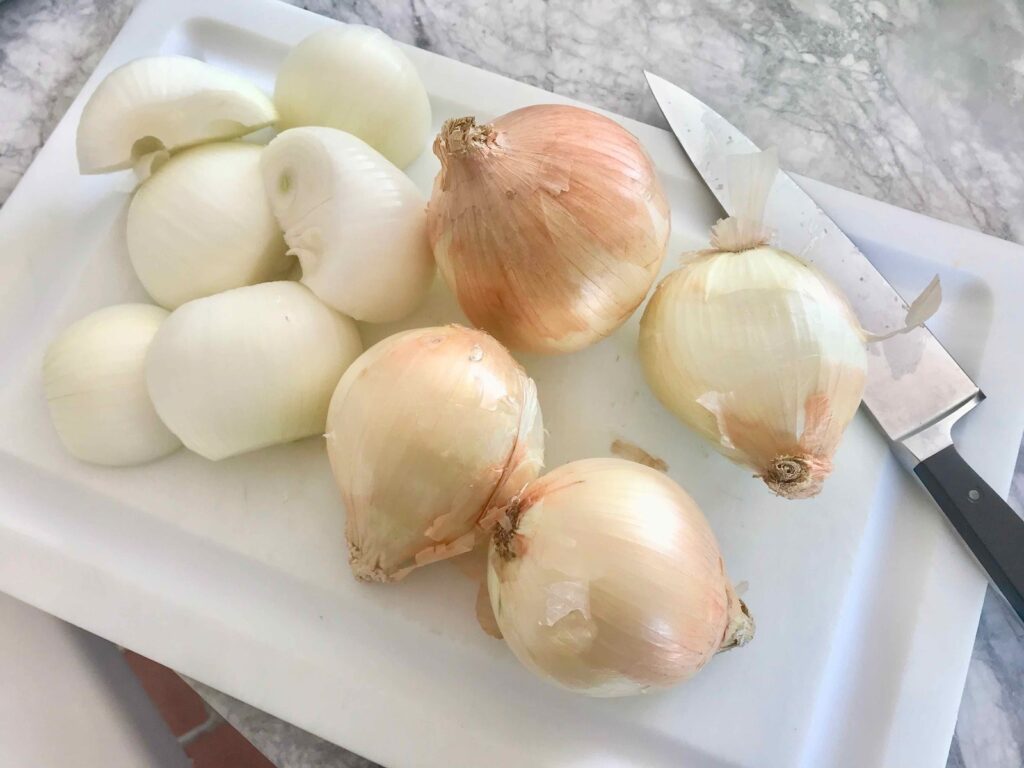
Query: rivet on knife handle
[989,526]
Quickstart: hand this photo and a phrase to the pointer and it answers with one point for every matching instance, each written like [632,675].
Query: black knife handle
[989,526]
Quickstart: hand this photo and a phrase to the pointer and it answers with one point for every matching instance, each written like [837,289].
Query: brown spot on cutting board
[484,614]
[473,564]
[624,449]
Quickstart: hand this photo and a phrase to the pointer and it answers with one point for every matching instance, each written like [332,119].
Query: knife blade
[915,389]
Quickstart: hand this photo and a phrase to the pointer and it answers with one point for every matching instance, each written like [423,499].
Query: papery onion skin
[165,103]
[549,224]
[356,222]
[202,225]
[426,431]
[95,385]
[762,356]
[606,579]
[357,79]
[248,368]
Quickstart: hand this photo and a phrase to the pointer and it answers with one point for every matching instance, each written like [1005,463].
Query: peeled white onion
[160,104]
[95,385]
[426,431]
[356,222]
[249,368]
[202,225]
[357,79]
[606,579]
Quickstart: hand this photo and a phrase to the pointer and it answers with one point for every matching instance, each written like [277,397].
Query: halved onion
[202,224]
[95,385]
[160,104]
[249,368]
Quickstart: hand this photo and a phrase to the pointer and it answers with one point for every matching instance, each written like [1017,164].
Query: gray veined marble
[920,103]
[47,50]
[916,102]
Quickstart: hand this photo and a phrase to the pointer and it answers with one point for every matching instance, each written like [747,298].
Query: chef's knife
[915,390]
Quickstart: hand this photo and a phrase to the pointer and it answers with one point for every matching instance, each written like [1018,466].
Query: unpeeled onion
[606,579]
[549,224]
[95,385]
[754,349]
[160,104]
[356,79]
[356,222]
[426,431]
[202,225]
[248,368]
[759,354]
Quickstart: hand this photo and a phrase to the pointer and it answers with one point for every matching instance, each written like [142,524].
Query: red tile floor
[206,738]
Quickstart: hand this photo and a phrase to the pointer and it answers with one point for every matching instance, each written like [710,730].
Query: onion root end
[796,476]
[740,629]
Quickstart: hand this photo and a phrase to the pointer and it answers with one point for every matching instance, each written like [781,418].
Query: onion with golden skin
[755,350]
[426,431]
[606,579]
[549,224]
[759,354]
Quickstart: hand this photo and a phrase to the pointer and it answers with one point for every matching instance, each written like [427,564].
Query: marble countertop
[916,102]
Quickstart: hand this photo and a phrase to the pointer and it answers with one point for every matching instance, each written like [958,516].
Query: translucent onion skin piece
[202,225]
[356,79]
[249,368]
[549,224]
[606,579]
[162,104]
[95,385]
[356,222]
[426,430]
[762,356]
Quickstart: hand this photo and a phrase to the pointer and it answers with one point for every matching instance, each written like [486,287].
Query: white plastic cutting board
[234,573]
